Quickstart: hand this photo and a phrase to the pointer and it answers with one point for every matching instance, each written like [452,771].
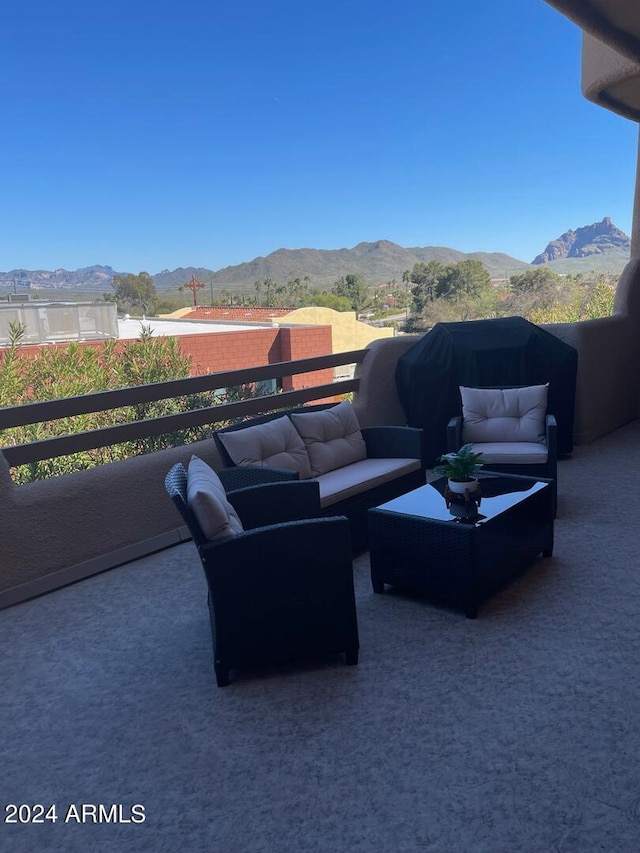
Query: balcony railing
[49,448]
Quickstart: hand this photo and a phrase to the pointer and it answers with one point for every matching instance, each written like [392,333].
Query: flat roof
[130,328]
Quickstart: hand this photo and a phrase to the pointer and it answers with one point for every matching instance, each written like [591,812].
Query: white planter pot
[460,487]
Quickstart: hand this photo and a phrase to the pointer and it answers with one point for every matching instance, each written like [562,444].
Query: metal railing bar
[49,448]
[32,413]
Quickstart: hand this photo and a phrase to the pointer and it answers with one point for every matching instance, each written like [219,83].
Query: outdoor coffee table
[462,552]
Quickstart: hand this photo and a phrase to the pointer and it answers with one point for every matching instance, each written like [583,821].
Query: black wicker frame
[283,589]
[383,442]
[461,564]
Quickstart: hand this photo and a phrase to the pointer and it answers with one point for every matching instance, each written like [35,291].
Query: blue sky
[152,135]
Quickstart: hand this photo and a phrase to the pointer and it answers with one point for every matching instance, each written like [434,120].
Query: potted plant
[461,469]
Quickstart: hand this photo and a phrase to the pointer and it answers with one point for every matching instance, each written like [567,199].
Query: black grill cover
[483,353]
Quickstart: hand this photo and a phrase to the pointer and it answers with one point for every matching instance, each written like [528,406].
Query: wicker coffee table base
[460,564]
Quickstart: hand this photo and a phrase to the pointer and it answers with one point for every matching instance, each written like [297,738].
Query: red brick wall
[219,351]
[306,342]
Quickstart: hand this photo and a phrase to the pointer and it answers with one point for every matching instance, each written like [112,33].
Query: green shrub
[73,370]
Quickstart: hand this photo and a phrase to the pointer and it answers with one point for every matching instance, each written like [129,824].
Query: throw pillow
[274,444]
[332,437]
[504,414]
[207,500]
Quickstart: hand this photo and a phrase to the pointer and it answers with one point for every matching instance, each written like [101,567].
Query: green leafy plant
[74,370]
[461,466]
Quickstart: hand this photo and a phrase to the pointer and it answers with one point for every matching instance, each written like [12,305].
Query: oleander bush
[70,371]
[595,301]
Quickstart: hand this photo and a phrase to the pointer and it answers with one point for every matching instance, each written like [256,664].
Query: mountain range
[601,238]
[380,261]
[601,247]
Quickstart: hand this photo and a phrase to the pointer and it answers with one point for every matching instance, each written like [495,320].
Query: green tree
[280,296]
[534,281]
[354,288]
[540,289]
[270,286]
[135,294]
[469,278]
[328,300]
[297,289]
[595,301]
[425,279]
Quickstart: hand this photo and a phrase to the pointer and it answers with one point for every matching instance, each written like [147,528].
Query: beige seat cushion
[274,444]
[207,499]
[511,452]
[332,437]
[361,476]
[504,414]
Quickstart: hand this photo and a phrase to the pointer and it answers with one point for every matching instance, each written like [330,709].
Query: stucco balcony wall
[606,390]
[376,402]
[60,530]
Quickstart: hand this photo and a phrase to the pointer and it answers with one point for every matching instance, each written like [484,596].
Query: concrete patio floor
[516,731]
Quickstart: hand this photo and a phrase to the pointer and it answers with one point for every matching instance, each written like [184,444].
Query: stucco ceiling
[610,51]
[615,22]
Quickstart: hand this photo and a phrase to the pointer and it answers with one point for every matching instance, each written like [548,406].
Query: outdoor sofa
[356,469]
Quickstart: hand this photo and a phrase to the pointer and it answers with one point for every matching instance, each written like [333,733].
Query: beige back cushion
[332,437]
[504,414]
[274,444]
[207,500]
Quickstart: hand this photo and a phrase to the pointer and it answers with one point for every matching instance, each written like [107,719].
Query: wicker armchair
[493,437]
[283,589]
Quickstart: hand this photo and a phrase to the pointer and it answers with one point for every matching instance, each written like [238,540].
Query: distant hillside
[96,278]
[588,243]
[173,278]
[613,262]
[376,262]
[594,248]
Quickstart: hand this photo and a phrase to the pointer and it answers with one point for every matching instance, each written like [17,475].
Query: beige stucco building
[347,332]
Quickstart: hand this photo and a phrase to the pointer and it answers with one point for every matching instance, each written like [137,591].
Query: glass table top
[499,492]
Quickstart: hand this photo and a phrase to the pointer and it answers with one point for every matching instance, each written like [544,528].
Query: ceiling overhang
[610,51]
[615,22]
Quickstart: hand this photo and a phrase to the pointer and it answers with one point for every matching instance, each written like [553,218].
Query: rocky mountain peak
[596,239]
